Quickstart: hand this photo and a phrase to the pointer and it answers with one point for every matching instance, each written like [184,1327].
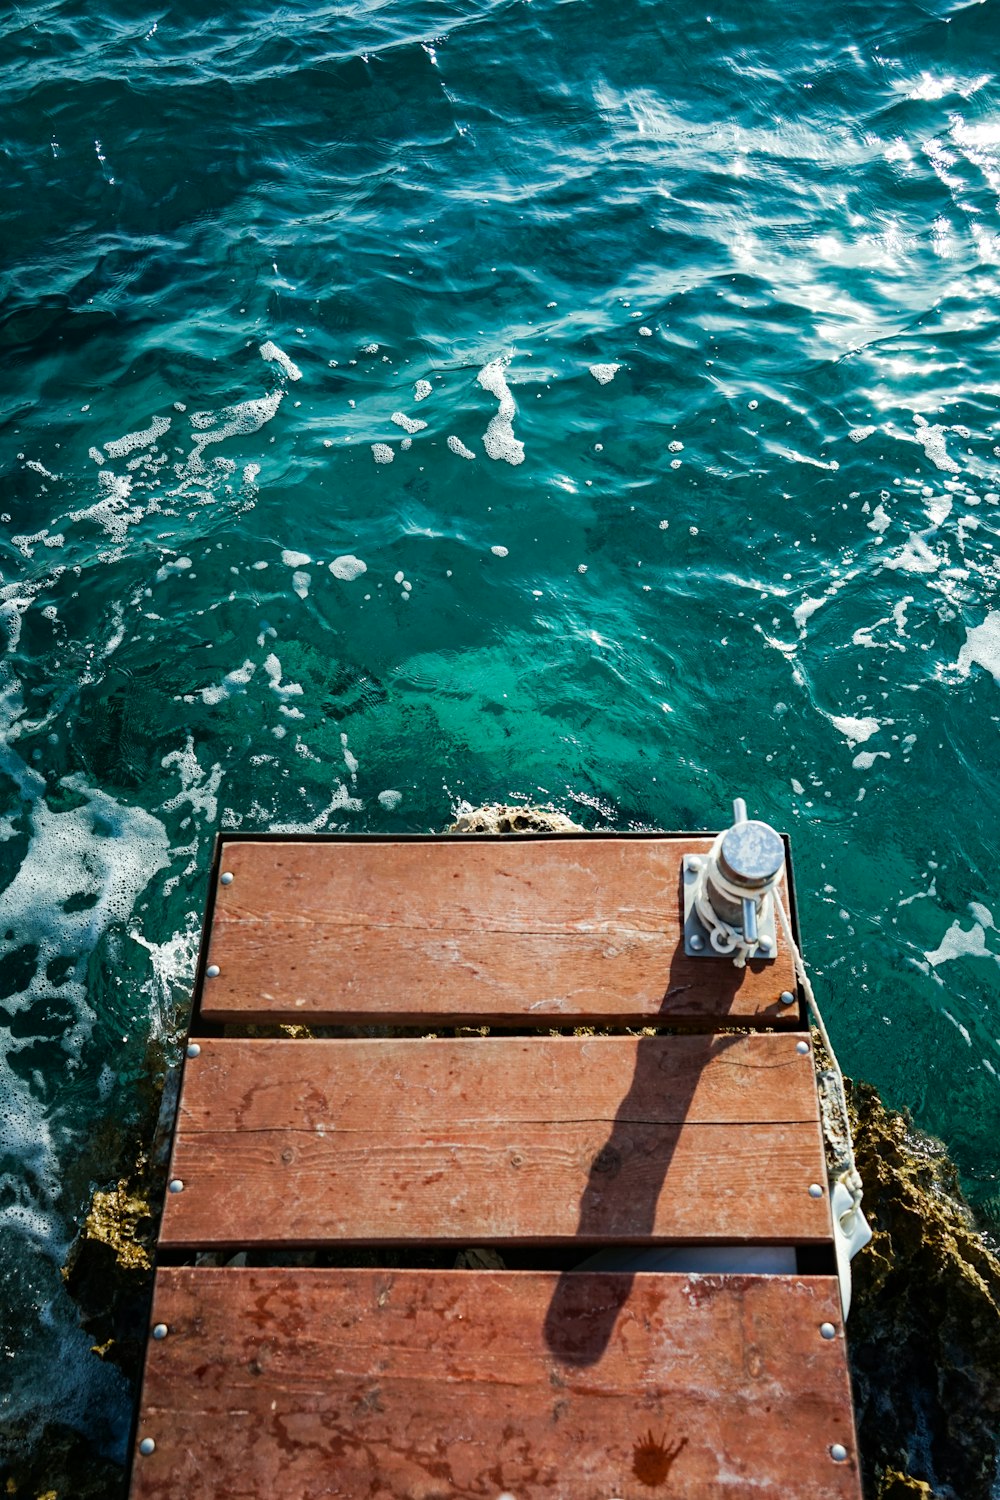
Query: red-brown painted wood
[301,1384]
[533,1140]
[558,931]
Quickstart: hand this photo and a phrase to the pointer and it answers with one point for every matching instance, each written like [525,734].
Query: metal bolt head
[160,1331]
[226,878]
[802,1048]
[193,1049]
[838,1452]
[693,863]
[786,997]
[697,942]
[146,1447]
[815,1191]
[213,971]
[176,1186]
[764,944]
[827,1331]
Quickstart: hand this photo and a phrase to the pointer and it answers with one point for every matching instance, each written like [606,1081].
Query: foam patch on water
[301,582]
[348,567]
[604,374]
[296,559]
[274,355]
[914,557]
[498,439]
[382,453]
[119,447]
[272,666]
[408,424]
[982,645]
[83,871]
[959,942]
[930,436]
[859,434]
[390,799]
[422,389]
[459,449]
[855,731]
[233,683]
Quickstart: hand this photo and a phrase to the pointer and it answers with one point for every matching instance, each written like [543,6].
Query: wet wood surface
[556,931]
[446,1385]
[524,1139]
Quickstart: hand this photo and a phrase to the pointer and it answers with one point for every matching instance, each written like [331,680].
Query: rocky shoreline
[924,1331]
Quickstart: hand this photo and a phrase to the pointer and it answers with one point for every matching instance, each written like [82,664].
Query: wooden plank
[555,932]
[445,1385]
[534,1140]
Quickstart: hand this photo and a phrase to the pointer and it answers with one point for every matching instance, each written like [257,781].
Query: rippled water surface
[698,317]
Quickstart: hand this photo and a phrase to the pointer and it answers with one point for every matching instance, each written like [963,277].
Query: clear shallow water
[761,558]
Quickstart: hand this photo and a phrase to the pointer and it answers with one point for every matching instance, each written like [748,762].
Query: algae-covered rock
[108,1271]
[500,818]
[924,1331]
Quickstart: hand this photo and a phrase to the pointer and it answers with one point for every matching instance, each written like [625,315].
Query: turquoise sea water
[759,559]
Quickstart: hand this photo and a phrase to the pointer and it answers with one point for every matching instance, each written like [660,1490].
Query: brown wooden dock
[364,1351]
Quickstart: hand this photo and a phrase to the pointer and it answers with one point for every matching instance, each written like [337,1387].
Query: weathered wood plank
[440,1385]
[557,932]
[533,1140]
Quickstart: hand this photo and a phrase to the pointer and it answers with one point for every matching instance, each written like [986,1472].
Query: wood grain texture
[559,932]
[533,1140]
[459,1385]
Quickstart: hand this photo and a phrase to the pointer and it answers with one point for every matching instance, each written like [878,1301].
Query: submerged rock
[924,1331]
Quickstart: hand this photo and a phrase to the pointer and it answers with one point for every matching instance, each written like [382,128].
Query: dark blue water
[760,558]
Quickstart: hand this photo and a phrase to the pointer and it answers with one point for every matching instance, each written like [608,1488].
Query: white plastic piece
[851,1233]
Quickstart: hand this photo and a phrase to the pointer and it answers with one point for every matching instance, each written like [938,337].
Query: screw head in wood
[213,971]
[176,1186]
[827,1331]
[193,1049]
[786,997]
[802,1048]
[838,1452]
[227,877]
[146,1447]
[160,1331]
[815,1191]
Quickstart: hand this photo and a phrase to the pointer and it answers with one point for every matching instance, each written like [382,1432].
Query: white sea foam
[422,389]
[858,434]
[498,439]
[408,424]
[301,582]
[982,645]
[274,355]
[499,551]
[390,799]
[604,374]
[382,453]
[272,666]
[881,520]
[914,557]
[233,683]
[855,731]
[865,759]
[348,567]
[959,942]
[458,447]
[930,436]
[296,559]
[647,333]
[132,440]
